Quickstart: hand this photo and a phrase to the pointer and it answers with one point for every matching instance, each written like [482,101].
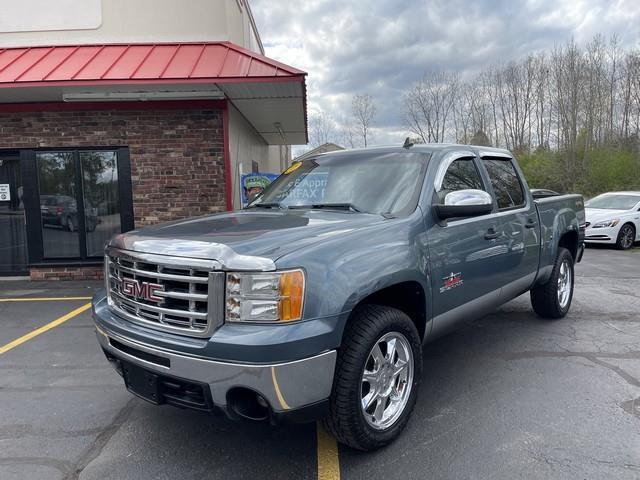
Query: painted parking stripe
[328,461]
[42,299]
[45,328]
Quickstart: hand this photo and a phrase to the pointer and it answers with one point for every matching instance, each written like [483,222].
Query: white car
[613,218]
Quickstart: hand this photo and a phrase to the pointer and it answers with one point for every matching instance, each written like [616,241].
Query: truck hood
[594,215]
[247,239]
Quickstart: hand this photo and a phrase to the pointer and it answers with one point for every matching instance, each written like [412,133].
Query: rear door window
[506,183]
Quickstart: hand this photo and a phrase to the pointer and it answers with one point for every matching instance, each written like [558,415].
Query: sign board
[253,184]
[48,15]
[5,193]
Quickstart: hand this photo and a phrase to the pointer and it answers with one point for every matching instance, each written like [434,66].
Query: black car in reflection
[62,211]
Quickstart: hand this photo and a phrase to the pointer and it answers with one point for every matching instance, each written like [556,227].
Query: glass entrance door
[79,202]
[13,236]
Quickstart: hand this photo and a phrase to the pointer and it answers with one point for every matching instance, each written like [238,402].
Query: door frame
[14,156]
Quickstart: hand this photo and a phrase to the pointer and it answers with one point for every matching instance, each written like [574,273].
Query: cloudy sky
[350,47]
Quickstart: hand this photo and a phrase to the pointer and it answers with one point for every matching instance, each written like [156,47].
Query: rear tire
[626,237]
[370,369]
[553,298]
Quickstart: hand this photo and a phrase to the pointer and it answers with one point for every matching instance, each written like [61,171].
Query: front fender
[341,272]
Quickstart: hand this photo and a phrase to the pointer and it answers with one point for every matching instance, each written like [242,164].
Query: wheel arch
[408,296]
[569,240]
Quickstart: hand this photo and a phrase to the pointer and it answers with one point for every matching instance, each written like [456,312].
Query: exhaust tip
[247,404]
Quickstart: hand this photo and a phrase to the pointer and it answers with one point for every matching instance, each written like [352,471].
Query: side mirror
[464,203]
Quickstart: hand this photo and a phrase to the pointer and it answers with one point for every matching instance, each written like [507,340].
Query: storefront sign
[5,193]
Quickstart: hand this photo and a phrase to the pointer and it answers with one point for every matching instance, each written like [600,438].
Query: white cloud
[382,47]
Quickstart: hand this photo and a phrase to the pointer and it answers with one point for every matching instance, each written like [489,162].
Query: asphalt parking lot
[508,396]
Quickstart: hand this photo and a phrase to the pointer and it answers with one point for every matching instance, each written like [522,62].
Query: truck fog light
[265,297]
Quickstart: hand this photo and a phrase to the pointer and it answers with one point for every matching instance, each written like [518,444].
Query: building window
[81,198]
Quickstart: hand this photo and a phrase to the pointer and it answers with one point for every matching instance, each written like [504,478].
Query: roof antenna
[407,143]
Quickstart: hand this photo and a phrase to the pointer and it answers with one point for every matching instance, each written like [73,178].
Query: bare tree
[571,104]
[429,105]
[363,110]
[322,129]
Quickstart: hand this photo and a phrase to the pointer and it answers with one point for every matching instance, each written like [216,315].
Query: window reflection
[62,212]
[58,207]
[505,183]
[13,237]
[101,206]
[462,174]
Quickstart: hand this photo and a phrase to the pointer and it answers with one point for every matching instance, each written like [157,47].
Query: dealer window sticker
[293,168]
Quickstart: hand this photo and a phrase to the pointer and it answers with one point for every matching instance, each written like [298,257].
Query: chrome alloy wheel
[387,380]
[626,237]
[565,281]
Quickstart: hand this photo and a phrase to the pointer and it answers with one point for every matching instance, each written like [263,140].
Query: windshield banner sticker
[452,280]
[294,166]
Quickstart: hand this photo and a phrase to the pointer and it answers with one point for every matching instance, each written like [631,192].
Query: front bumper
[601,235]
[288,387]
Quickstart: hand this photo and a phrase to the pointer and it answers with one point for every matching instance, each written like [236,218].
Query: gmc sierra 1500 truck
[315,301]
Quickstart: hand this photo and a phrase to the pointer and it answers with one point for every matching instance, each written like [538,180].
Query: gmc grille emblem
[144,290]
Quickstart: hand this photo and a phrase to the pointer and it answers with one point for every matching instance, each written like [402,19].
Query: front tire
[376,380]
[553,298]
[626,237]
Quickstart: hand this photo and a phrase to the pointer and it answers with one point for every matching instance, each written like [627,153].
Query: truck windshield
[613,202]
[382,183]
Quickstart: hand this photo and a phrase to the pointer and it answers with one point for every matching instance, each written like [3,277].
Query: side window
[505,182]
[462,174]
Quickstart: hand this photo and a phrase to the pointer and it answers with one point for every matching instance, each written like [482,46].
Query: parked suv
[315,301]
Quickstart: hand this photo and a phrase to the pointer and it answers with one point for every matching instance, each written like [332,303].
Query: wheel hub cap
[565,280]
[387,380]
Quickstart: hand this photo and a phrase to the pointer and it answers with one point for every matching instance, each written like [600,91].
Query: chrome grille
[186,296]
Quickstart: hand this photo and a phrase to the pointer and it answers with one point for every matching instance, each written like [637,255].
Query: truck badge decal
[452,280]
[144,290]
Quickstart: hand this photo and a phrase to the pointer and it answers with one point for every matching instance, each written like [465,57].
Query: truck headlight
[607,223]
[265,297]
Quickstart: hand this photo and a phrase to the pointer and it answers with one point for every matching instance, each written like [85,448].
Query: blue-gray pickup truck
[314,302]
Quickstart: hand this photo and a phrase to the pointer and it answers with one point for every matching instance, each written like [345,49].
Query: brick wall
[177,156]
[177,159]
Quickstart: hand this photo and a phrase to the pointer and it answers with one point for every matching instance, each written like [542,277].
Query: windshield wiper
[267,205]
[330,206]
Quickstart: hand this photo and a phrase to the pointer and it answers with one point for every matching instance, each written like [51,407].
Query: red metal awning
[109,64]
[269,94]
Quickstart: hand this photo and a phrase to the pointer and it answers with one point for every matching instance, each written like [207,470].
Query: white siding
[247,146]
[59,22]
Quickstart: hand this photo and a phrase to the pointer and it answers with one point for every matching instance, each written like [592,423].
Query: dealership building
[115,114]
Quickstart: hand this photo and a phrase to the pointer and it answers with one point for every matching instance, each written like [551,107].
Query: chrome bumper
[285,386]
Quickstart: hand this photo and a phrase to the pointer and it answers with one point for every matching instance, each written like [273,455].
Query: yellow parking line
[45,328]
[328,461]
[42,299]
